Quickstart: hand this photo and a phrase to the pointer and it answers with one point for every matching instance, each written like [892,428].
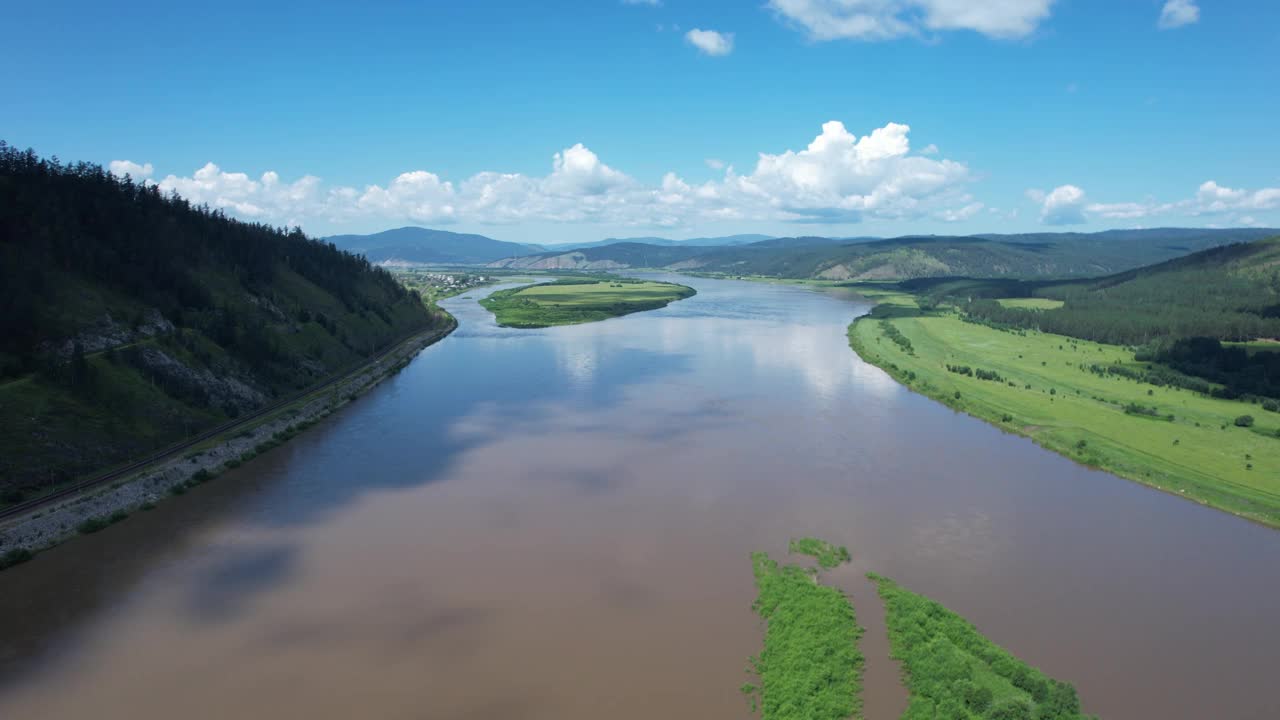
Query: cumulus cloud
[714,163]
[1064,205]
[266,199]
[886,19]
[121,168]
[1177,13]
[1214,198]
[710,42]
[838,177]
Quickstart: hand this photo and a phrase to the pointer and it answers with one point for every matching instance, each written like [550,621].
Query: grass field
[1031,303]
[953,671]
[1042,386]
[569,302]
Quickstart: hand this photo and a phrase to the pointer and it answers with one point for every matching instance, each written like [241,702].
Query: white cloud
[1214,198]
[710,42]
[714,163]
[963,213]
[1177,13]
[120,168]
[838,177]
[886,19]
[1064,205]
[929,149]
[265,199]
[1123,210]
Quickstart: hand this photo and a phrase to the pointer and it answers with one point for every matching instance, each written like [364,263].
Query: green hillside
[133,319]
[1188,314]
[1041,255]
[424,246]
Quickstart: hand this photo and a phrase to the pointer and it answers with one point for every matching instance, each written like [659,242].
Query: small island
[580,300]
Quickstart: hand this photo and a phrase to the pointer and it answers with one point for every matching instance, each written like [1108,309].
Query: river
[556,524]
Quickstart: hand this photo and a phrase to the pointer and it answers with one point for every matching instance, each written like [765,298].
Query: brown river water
[556,524]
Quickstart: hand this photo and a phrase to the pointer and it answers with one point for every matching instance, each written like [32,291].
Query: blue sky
[570,121]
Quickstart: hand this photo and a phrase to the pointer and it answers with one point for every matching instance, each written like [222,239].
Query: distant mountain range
[423,246]
[1034,255]
[1027,255]
[668,242]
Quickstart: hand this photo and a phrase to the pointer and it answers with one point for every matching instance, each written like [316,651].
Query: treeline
[1239,371]
[1177,314]
[1228,293]
[60,222]
[132,319]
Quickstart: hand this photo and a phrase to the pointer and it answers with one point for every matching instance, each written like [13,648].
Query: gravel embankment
[50,525]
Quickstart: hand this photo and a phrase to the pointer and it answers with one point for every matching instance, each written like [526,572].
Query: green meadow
[573,301]
[1063,393]
[1031,303]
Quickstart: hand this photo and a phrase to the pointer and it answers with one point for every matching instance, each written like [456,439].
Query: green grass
[827,555]
[810,668]
[569,302]
[952,671]
[1031,303]
[1048,393]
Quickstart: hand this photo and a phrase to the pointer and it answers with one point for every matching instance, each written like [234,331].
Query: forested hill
[1197,314]
[1042,255]
[419,245]
[132,319]
[1229,293]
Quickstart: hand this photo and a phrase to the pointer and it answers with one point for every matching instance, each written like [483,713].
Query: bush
[92,525]
[1271,405]
[16,556]
[1011,709]
[201,476]
[1244,421]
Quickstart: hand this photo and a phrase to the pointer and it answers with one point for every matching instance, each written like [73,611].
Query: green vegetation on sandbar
[810,668]
[1090,401]
[579,300]
[952,671]
[827,555]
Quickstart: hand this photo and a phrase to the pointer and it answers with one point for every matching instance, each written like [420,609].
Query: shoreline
[49,524]
[1184,487]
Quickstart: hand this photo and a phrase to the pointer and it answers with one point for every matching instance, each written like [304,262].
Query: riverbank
[575,301]
[49,524]
[1062,393]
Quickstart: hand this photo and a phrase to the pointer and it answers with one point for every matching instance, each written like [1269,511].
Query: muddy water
[556,524]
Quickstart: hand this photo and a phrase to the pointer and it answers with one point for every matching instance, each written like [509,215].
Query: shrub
[1271,405]
[92,525]
[1244,421]
[1011,709]
[201,476]
[16,556]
